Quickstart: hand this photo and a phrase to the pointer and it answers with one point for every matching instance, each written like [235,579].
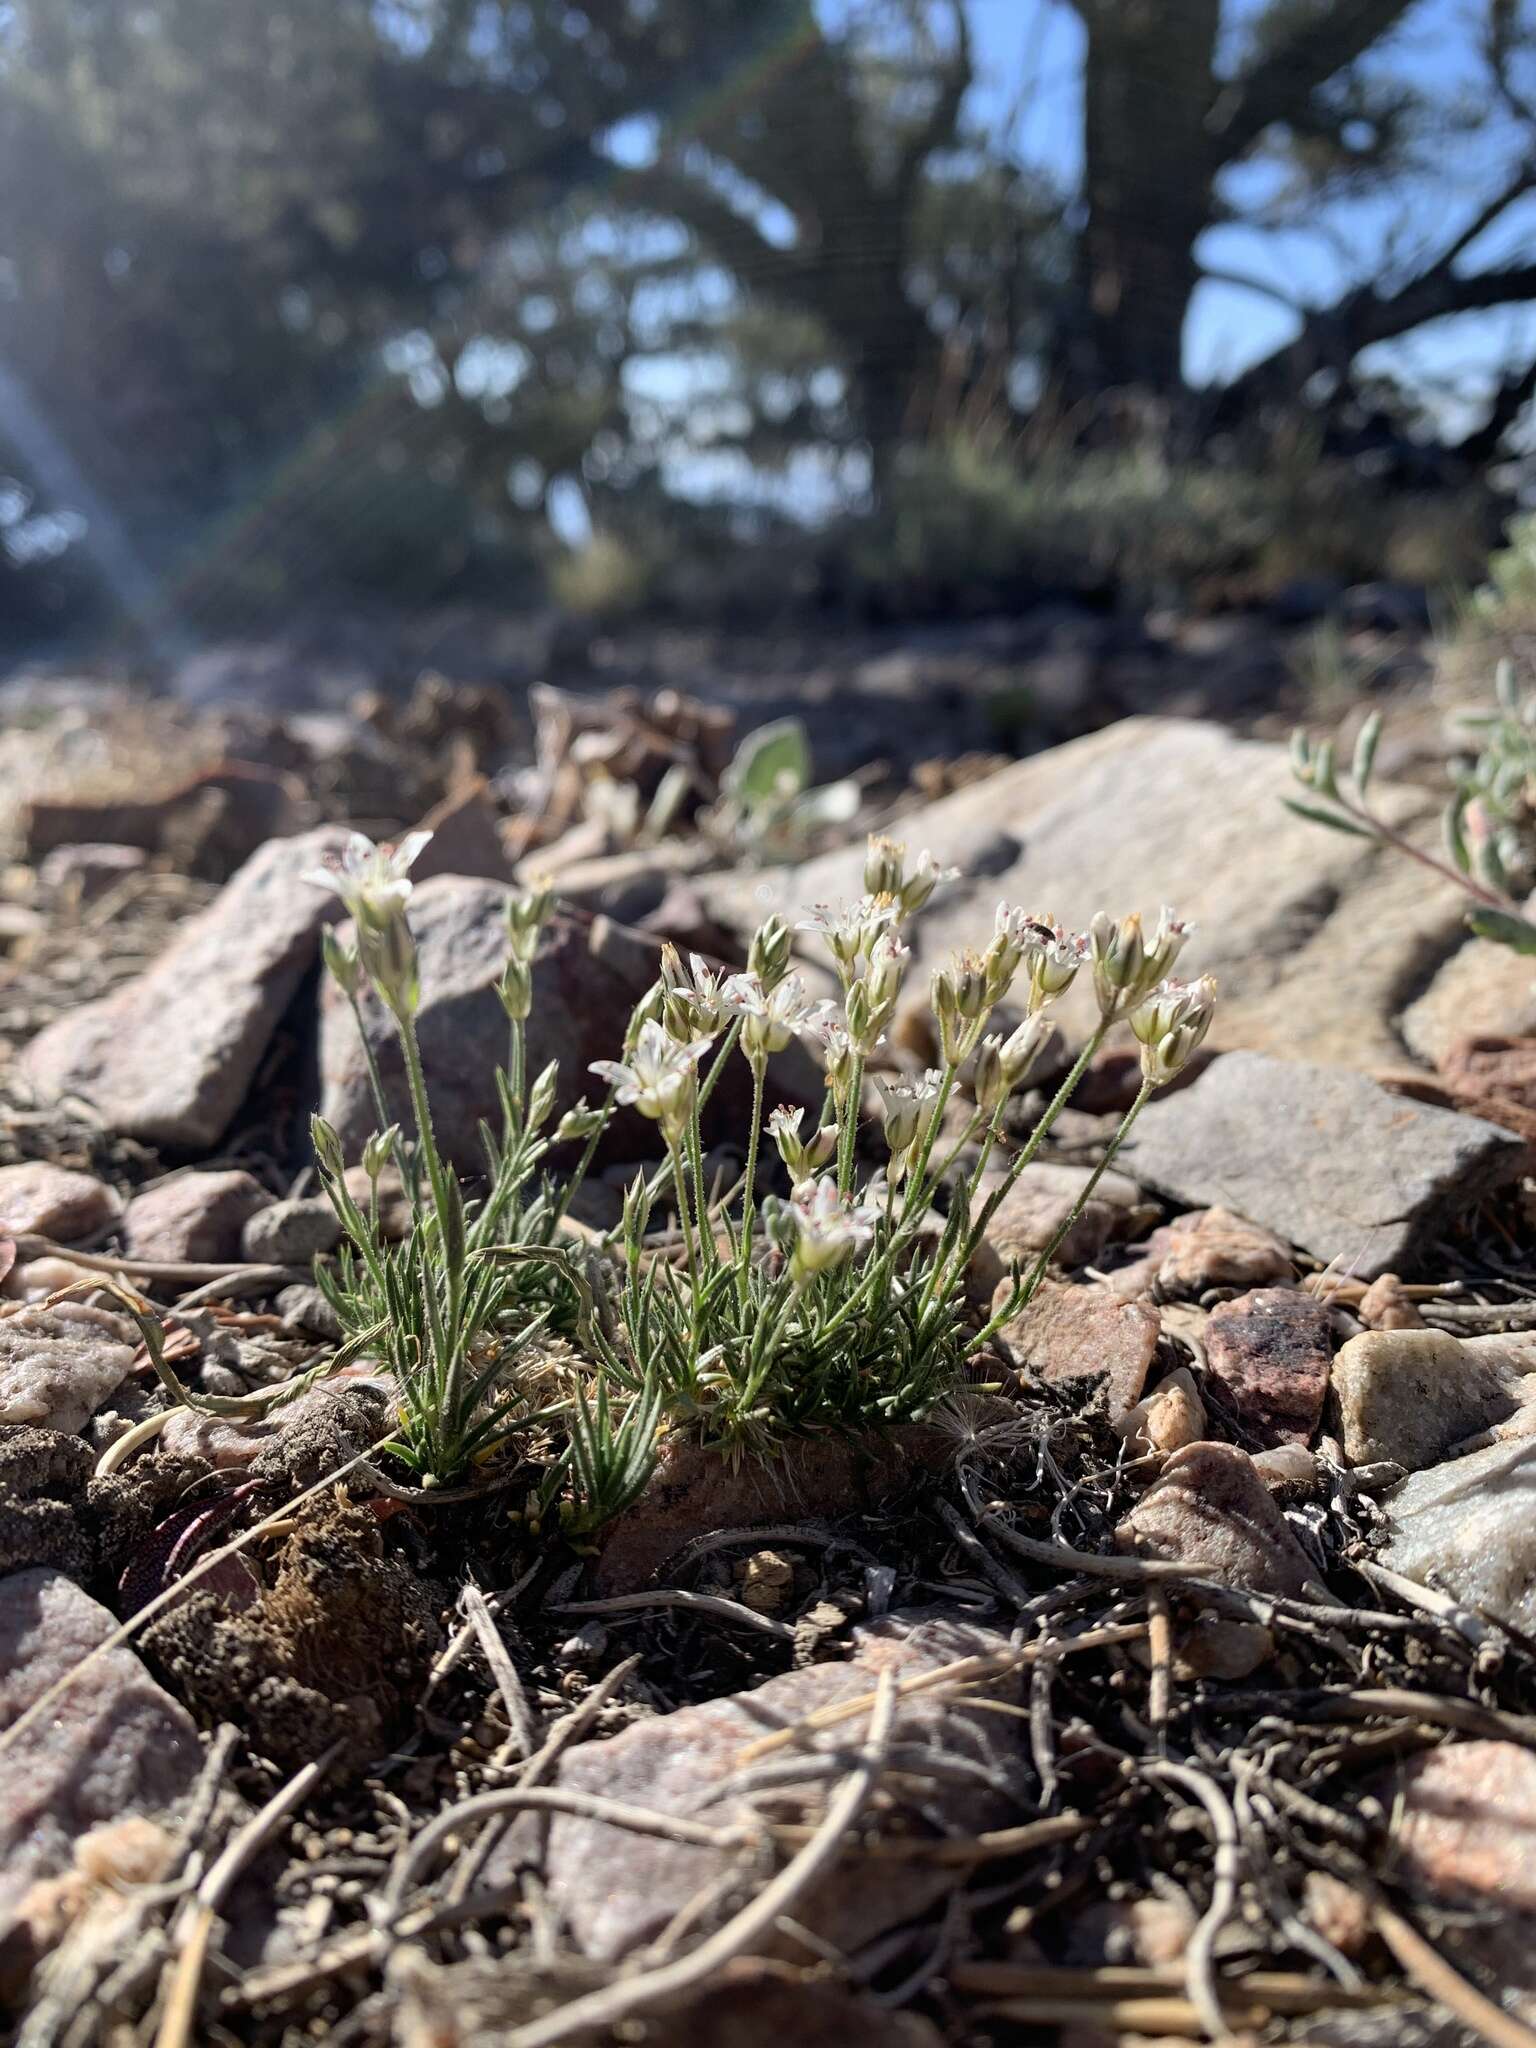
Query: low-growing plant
[839,1306]
[1489,820]
[843,1306]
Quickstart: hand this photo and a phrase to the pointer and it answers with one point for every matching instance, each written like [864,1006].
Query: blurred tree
[1315,103]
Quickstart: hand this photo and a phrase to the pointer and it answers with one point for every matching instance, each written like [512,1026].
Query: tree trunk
[1150,166]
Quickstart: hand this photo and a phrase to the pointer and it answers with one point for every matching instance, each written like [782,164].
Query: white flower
[772,1017]
[372,881]
[852,930]
[925,877]
[806,1156]
[697,997]
[904,1101]
[660,1077]
[829,1227]
[1171,1024]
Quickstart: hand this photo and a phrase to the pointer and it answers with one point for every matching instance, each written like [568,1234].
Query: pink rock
[1067,1332]
[113,1743]
[168,1057]
[1465,1822]
[1208,1248]
[618,1890]
[51,1201]
[1270,1351]
[198,1217]
[1209,1508]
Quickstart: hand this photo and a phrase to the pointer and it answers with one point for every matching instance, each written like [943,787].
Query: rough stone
[465,839]
[85,871]
[1210,1509]
[587,979]
[196,1217]
[58,1365]
[1464,1823]
[1036,1206]
[671,1763]
[1171,1416]
[1269,1351]
[1163,810]
[53,1201]
[1409,1396]
[1207,1248]
[1494,1077]
[114,1743]
[1068,1332]
[1470,1526]
[1483,990]
[169,1056]
[291,1233]
[1323,1156]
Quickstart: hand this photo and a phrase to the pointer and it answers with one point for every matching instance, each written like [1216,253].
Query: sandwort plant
[843,1305]
[838,1303]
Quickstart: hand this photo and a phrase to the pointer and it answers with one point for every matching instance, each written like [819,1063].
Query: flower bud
[769,957]
[379,1150]
[989,1084]
[327,1144]
[541,1097]
[921,883]
[527,915]
[516,989]
[388,953]
[341,962]
[579,1122]
[1024,1045]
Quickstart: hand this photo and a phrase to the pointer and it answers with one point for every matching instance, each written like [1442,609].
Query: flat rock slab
[57,1365]
[1164,810]
[113,1743]
[1322,1155]
[1269,1351]
[1470,1524]
[169,1056]
[1208,1508]
[617,1890]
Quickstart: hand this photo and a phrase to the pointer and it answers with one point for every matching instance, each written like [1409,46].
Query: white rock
[58,1365]
[1410,1396]
[1470,1525]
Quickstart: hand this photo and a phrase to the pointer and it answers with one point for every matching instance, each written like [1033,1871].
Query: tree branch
[741,247]
[939,127]
[1279,85]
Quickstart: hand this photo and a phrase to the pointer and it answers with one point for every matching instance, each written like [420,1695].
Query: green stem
[680,1191]
[749,1192]
[517,1079]
[1037,1138]
[1023,1293]
[847,1137]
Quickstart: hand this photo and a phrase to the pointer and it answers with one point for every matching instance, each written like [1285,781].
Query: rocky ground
[1186,1692]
